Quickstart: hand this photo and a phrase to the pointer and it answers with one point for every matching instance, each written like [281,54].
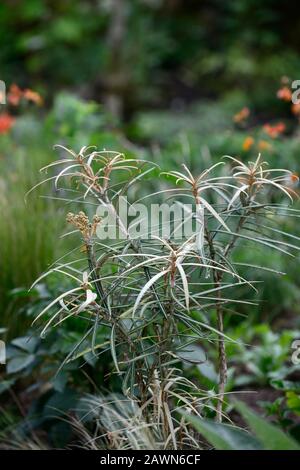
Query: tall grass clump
[28,233]
[151,299]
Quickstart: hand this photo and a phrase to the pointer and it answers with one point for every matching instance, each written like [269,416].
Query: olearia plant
[150,298]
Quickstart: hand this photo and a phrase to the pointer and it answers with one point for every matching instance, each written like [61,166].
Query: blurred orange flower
[6,123]
[14,95]
[264,145]
[296,109]
[284,94]
[248,142]
[274,131]
[294,178]
[291,181]
[33,96]
[241,115]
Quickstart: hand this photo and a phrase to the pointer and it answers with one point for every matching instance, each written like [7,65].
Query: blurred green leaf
[272,437]
[20,362]
[223,436]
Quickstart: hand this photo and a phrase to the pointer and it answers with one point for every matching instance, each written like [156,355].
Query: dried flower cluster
[82,223]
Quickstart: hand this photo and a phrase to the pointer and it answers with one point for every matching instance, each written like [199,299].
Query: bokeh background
[171,80]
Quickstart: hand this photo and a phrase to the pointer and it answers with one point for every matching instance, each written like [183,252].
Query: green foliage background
[157,79]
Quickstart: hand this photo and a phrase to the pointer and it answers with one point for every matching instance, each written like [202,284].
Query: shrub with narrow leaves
[155,298]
